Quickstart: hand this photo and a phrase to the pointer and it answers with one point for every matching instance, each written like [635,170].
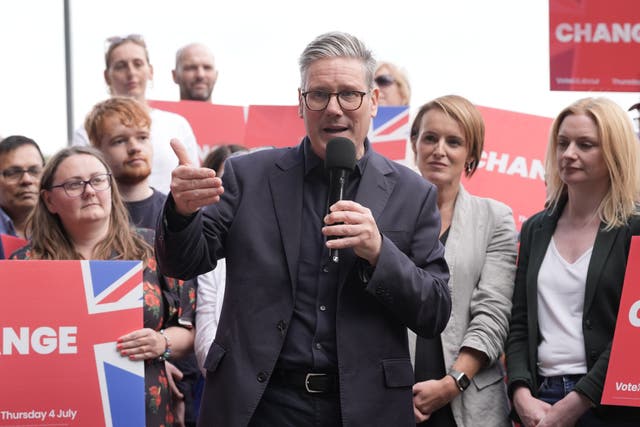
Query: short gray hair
[337,45]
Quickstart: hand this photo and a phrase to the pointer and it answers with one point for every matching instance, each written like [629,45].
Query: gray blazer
[481,254]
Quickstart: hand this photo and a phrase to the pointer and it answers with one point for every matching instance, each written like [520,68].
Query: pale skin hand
[431,395]
[141,344]
[192,187]
[174,374]
[566,411]
[530,409]
[358,231]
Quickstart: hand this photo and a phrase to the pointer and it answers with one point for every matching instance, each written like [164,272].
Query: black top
[310,343]
[145,213]
[430,366]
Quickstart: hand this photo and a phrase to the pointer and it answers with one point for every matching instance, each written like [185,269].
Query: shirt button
[325,269]
[323,308]
[319,346]
[262,377]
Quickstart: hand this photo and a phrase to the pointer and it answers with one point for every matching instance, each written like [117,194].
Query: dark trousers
[282,406]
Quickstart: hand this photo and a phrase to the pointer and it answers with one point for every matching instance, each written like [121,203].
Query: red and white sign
[622,384]
[511,169]
[594,45]
[212,124]
[58,359]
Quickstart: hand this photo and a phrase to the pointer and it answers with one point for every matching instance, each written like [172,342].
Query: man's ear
[300,103]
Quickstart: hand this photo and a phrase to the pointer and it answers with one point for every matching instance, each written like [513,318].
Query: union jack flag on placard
[390,131]
[58,359]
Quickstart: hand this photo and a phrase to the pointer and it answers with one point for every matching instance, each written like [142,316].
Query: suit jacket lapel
[540,240]
[373,192]
[286,183]
[601,249]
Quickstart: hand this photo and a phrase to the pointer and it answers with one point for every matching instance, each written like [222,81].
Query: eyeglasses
[318,100]
[384,80]
[15,174]
[77,188]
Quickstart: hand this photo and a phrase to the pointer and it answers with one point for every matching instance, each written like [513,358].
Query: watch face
[463,381]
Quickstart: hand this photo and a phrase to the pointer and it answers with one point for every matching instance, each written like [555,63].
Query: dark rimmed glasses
[318,100]
[384,80]
[15,174]
[77,187]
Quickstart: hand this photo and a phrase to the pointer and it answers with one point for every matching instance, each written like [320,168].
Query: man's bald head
[195,72]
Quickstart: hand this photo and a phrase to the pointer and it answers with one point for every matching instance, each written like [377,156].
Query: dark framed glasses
[15,174]
[318,100]
[384,80]
[77,187]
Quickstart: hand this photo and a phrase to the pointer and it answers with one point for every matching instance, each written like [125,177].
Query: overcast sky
[494,52]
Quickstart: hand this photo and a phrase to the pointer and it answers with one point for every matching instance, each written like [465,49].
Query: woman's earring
[468,167]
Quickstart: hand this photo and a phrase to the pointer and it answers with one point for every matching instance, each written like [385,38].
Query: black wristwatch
[462,381]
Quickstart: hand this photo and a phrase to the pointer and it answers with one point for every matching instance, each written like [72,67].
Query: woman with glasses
[571,269]
[393,84]
[80,215]
[459,376]
[128,73]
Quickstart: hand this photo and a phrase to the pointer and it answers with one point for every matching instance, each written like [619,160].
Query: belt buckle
[306,382]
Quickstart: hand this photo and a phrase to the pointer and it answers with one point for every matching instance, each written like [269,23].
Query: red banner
[511,169]
[622,384]
[58,359]
[594,45]
[212,124]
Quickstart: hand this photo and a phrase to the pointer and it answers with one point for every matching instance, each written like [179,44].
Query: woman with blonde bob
[459,376]
[80,215]
[571,269]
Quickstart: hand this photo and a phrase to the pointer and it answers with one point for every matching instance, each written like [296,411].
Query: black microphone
[339,161]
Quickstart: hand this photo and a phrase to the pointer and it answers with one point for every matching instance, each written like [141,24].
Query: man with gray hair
[305,338]
[195,72]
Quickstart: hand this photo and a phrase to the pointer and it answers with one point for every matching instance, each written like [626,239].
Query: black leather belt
[310,382]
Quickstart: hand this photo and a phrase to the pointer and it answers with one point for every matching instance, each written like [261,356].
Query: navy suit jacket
[256,226]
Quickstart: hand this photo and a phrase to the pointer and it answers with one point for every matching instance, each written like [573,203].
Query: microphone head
[340,154]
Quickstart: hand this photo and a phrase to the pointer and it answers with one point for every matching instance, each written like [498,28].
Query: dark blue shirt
[310,344]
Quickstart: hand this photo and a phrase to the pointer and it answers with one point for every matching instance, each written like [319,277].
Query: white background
[494,52]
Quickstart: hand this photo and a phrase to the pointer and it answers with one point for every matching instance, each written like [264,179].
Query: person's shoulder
[266,156]
[158,196]
[162,119]
[493,206]
[388,166]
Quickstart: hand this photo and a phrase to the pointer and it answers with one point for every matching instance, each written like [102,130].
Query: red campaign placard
[212,124]
[11,244]
[511,169]
[594,45]
[622,384]
[273,125]
[58,359]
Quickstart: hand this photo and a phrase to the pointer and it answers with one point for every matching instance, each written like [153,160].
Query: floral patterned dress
[167,302]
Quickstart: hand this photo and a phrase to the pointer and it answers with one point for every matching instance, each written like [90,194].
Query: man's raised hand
[192,187]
